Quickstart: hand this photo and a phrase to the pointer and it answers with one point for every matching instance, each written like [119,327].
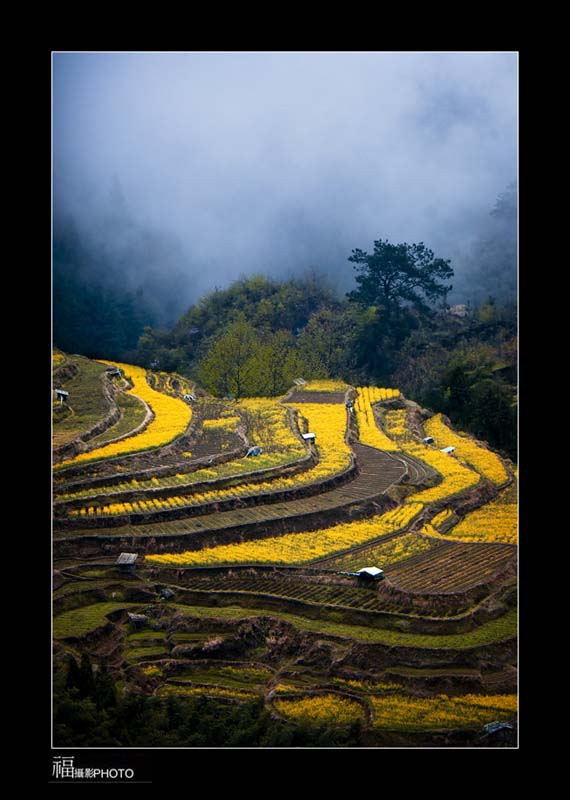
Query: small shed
[254,451]
[499,732]
[309,437]
[370,573]
[114,372]
[126,562]
[166,593]
[189,397]
[494,727]
[429,440]
[62,395]
[449,449]
[299,382]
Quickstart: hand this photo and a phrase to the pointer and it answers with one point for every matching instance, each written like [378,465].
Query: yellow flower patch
[368,431]
[440,518]
[396,426]
[494,522]
[296,548]
[329,424]
[228,424]
[210,690]
[321,709]
[57,359]
[403,712]
[327,385]
[172,417]
[484,461]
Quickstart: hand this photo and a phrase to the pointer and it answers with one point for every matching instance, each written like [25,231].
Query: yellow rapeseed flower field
[328,421]
[296,548]
[211,690]
[404,546]
[404,712]
[396,426]
[57,359]
[325,385]
[368,431]
[228,424]
[440,518]
[269,427]
[456,476]
[319,709]
[484,461]
[172,417]
[493,522]
[496,521]
[429,530]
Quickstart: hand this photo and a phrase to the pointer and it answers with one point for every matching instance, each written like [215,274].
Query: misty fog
[178,172]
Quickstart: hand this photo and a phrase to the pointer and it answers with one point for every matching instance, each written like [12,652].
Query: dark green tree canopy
[396,275]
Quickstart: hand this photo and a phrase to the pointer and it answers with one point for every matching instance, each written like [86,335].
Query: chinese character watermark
[63,768]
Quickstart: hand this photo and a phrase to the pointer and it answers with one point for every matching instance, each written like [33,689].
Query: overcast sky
[276,162]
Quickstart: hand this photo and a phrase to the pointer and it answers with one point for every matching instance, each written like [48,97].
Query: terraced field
[496,521]
[170,419]
[88,402]
[384,552]
[132,416]
[207,522]
[196,458]
[299,396]
[294,588]
[449,567]
[379,472]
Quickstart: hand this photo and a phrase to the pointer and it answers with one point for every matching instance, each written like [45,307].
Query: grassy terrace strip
[310,592]
[406,713]
[172,417]
[268,426]
[296,548]
[496,521]
[86,399]
[497,630]
[228,675]
[368,431]
[328,421]
[210,690]
[484,461]
[133,414]
[80,621]
[456,477]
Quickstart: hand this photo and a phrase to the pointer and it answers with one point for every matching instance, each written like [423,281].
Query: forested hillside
[257,335]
